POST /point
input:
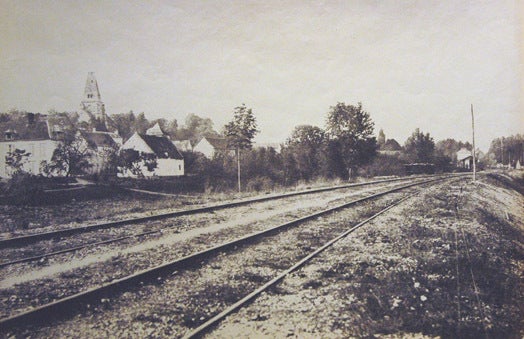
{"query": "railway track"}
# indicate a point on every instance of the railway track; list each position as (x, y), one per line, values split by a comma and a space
(65, 306)
(27, 239)
(34, 255)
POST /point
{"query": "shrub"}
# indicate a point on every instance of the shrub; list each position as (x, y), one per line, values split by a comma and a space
(23, 188)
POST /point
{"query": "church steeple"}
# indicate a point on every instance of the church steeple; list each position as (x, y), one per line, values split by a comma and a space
(91, 92)
(92, 102)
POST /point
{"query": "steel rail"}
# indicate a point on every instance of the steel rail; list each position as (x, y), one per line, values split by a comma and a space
(31, 238)
(209, 324)
(63, 307)
(78, 247)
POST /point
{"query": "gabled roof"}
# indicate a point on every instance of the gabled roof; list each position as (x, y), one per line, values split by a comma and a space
(217, 143)
(98, 139)
(162, 147)
(155, 130)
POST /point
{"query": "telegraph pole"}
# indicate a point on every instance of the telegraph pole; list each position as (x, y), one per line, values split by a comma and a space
(238, 169)
(474, 157)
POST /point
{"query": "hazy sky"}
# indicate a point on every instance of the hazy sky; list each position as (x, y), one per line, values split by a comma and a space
(411, 63)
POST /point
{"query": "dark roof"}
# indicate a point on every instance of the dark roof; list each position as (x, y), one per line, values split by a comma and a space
(162, 146)
(28, 126)
(98, 139)
(217, 143)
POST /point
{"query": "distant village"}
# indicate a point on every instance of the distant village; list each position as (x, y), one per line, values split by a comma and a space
(90, 142)
(96, 135)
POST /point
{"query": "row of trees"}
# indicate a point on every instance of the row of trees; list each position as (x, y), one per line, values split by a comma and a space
(345, 147)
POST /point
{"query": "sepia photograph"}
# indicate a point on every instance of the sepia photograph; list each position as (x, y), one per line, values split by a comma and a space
(262, 169)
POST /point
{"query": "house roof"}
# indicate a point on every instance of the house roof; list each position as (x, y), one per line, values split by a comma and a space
(155, 130)
(162, 147)
(28, 126)
(217, 143)
(463, 154)
(98, 139)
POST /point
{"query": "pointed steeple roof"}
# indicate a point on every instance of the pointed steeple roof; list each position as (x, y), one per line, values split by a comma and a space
(91, 92)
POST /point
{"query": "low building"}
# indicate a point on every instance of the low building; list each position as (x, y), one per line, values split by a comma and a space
(210, 146)
(169, 160)
(32, 134)
(464, 158)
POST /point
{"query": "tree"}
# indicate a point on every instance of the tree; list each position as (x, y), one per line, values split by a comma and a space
(70, 157)
(16, 159)
(195, 128)
(306, 144)
(241, 131)
(350, 129)
(419, 147)
(135, 161)
(381, 138)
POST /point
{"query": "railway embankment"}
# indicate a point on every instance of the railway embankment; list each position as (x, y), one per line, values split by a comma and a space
(448, 264)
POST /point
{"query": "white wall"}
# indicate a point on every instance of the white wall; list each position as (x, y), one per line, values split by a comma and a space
(41, 150)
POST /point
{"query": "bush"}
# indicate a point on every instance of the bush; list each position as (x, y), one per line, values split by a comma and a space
(23, 188)
(260, 184)
(384, 165)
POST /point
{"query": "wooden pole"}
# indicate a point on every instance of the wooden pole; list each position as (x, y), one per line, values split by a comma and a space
(474, 157)
(238, 169)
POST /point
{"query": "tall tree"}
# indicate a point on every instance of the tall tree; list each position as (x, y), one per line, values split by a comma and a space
(420, 147)
(350, 129)
(241, 131)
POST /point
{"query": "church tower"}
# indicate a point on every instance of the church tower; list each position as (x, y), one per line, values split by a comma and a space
(92, 103)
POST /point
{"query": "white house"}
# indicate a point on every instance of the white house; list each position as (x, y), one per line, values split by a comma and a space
(39, 150)
(169, 160)
(209, 146)
(464, 158)
(33, 135)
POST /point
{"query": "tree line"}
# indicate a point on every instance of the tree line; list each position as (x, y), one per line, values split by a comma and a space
(344, 148)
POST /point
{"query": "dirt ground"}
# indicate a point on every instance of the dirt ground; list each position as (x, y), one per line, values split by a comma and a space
(448, 263)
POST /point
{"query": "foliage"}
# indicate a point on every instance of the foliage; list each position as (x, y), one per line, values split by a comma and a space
(195, 128)
(134, 162)
(16, 159)
(242, 129)
(419, 147)
(351, 129)
(23, 188)
(383, 165)
(71, 157)
(508, 150)
(306, 145)
(381, 138)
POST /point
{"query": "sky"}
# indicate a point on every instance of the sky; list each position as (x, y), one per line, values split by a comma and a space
(412, 64)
